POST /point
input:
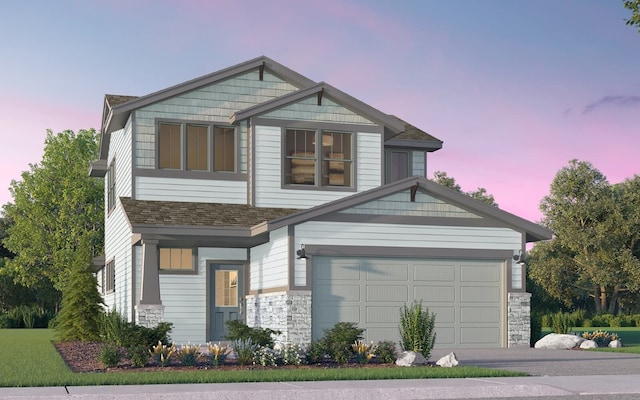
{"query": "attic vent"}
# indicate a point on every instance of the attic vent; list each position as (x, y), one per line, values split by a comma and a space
(414, 190)
(320, 93)
(262, 71)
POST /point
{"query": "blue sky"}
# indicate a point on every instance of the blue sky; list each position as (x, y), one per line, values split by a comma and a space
(515, 89)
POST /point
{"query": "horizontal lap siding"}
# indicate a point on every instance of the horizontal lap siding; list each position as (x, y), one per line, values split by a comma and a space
(191, 190)
(268, 173)
(117, 232)
(393, 235)
(214, 103)
(269, 262)
(309, 110)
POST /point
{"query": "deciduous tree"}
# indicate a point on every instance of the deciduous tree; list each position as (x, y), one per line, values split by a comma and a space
(634, 7)
(441, 177)
(55, 204)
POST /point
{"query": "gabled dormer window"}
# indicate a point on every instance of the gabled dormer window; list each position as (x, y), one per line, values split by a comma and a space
(196, 147)
(318, 158)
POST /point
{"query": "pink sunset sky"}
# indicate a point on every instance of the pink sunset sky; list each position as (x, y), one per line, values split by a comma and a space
(515, 89)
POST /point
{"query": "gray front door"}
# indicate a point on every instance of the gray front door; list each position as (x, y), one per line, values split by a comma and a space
(227, 299)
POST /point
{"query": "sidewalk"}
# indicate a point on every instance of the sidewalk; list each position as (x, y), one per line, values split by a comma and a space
(351, 390)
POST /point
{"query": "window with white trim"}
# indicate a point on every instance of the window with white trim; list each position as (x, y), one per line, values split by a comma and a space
(111, 186)
(318, 158)
(109, 277)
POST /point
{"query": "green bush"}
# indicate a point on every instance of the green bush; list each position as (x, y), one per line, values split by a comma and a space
(386, 352)
(417, 329)
(338, 339)
(109, 355)
(262, 337)
(115, 329)
(189, 354)
(139, 355)
(536, 328)
(316, 352)
(561, 323)
(577, 317)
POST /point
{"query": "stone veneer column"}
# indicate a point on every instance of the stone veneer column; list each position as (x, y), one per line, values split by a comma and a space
(149, 310)
(519, 319)
(289, 312)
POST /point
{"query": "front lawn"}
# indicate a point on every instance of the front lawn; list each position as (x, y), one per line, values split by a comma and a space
(30, 359)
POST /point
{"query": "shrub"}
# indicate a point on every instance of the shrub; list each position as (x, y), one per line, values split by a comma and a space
(316, 352)
(217, 353)
(602, 338)
(114, 328)
(577, 317)
(536, 329)
(293, 354)
(109, 355)
(162, 353)
(245, 350)
(189, 354)
(364, 352)
(139, 355)
(386, 352)
(238, 330)
(267, 357)
(417, 329)
(560, 323)
(337, 341)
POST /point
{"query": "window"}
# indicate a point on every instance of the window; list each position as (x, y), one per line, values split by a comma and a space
(226, 288)
(225, 147)
(318, 158)
(111, 186)
(197, 147)
(109, 277)
(397, 165)
(185, 146)
(176, 259)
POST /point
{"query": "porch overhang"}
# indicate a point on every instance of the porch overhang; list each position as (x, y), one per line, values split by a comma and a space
(198, 236)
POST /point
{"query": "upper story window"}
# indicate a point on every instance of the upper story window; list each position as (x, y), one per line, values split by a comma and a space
(318, 158)
(176, 259)
(111, 186)
(398, 165)
(196, 147)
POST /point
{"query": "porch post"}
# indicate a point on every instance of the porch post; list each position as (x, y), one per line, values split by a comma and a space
(149, 310)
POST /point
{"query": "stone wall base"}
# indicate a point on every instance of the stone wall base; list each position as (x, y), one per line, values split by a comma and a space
(149, 315)
(289, 312)
(519, 319)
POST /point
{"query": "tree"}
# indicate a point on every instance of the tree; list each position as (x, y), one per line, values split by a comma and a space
(55, 204)
(634, 7)
(441, 178)
(79, 317)
(596, 234)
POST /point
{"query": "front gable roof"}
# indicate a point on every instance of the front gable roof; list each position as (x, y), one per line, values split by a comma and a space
(117, 114)
(475, 208)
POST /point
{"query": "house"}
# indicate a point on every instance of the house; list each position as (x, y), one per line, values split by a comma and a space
(255, 193)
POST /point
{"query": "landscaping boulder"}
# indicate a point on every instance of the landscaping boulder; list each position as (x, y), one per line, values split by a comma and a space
(410, 358)
(588, 344)
(448, 361)
(615, 343)
(557, 341)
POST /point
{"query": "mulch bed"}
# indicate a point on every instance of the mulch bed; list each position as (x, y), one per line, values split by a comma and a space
(83, 357)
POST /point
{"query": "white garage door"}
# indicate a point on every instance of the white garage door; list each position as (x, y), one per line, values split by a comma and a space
(465, 295)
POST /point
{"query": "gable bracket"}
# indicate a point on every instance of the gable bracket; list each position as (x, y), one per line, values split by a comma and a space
(414, 190)
(262, 71)
(320, 94)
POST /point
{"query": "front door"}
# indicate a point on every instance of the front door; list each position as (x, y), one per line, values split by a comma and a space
(227, 298)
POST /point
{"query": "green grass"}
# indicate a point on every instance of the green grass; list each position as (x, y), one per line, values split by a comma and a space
(28, 358)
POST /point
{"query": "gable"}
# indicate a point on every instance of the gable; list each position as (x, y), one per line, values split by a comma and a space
(400, 204)
(309, 110)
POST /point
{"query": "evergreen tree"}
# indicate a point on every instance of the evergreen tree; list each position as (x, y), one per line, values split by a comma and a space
(81, 303)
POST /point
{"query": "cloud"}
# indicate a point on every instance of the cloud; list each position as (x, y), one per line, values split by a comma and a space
(613, 101)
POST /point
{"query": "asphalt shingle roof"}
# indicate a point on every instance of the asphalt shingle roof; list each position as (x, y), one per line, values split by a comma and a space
(172, 213)
(116, 99)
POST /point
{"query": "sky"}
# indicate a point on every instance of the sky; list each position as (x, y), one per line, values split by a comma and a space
(514, 89)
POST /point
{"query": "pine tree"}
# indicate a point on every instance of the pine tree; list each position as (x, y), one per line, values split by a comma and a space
(81, 303)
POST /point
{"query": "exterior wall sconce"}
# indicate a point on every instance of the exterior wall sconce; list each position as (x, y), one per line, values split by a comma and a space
(519, 258)
(301, 253)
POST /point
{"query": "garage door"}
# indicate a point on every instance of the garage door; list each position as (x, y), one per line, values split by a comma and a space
(465, 295)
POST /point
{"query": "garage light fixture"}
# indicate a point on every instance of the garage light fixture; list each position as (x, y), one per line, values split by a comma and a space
(301, 253)
(519, 258)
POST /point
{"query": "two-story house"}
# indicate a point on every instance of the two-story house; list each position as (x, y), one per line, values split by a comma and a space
(255, 193)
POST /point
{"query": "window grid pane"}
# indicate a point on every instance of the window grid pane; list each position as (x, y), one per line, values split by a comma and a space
(300, 162)
(226, 288)
(169, 146)
(336, 159)
(225, 149)
(197, 147)
(176, 259)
